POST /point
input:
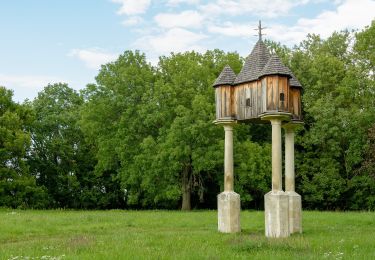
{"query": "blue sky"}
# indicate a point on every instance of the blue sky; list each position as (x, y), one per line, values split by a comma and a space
(48, 41)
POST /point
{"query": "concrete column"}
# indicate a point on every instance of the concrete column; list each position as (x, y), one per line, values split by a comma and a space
(295, 200)
(228, 158)
(289, 159)
(228, 202)
(276, 155)
(276, 203)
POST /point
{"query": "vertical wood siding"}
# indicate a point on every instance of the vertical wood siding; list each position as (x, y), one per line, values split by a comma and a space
(249, 100)
(223, 96)
(295, 103)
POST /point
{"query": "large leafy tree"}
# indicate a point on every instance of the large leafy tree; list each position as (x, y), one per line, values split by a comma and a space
(153, 126)
(60, 159)
(338, 104)
(191, 152)
(17, 186)
(117, 117)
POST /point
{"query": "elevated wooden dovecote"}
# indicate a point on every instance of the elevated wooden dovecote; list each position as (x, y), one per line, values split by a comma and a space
(264, 86)
(265, 90)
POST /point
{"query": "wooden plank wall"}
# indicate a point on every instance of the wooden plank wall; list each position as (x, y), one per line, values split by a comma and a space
(259, 100)
(271, 94)
(252, 92)
(295, 103)
(276, 85)
(263, 96)
(283, 88)
(223, 98)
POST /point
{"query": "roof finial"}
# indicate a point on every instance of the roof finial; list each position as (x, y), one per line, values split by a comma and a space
(259, 29)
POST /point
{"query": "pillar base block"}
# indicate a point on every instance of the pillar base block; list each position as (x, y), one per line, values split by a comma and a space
(295, 212)
(276, 209)
(228, 208)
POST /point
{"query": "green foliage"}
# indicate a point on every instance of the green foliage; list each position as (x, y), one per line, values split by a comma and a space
(143, 137)
(152, 126)
(116, 118)
(253, 171)
(60, 159)
(361, 186)
(338, 105)
(17, 186)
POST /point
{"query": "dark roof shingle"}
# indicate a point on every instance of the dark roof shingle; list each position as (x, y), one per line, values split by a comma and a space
(293, 81)
(226, 77)
(274, 66)
(254, 63)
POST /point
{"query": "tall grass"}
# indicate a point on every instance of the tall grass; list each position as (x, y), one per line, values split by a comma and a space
(116, 234)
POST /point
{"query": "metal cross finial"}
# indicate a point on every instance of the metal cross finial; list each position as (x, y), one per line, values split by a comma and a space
(259, 29)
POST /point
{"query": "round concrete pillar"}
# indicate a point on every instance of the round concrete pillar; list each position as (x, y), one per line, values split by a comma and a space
(228, 158)
(228, 202)
(276, 155)
(289, 159)
(295, 200)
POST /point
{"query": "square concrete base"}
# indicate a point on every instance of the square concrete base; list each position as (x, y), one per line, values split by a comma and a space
(276, 211)
(228, 209)
(295, 212)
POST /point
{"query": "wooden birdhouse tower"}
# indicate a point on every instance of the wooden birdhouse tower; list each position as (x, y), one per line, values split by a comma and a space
(264, 86)
(264, 91)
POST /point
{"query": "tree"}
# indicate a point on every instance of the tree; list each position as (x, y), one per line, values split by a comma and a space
(252, 172)
(116, 117)
(187, 136)
(17, 186)
(361, 186)
(150, 124)
(338, 112)
(60, 159)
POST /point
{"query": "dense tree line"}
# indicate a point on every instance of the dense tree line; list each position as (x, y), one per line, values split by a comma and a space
(142, 136)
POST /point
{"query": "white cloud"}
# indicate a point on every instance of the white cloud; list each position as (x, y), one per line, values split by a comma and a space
(265, 8)
(132, 7)
(93, 57)
(133, 20)
(232, 30)
(26, 86)
(350, 14)
(173, 40)
(189, 19)
(177, 2)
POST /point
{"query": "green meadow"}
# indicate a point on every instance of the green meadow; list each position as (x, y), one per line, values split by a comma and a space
(121, 234)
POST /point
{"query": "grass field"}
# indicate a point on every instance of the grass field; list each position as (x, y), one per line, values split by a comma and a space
(119, 234)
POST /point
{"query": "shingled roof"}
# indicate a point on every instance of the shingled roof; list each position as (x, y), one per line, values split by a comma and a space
(259, 63)
(226, 77)
(254, 63)
(274, 66)
(293, 81)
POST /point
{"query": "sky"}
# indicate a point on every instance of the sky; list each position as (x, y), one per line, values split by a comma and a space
(51, 41)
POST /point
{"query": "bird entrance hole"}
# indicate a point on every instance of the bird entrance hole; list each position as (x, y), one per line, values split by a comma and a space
(282, 98)
(248, 102)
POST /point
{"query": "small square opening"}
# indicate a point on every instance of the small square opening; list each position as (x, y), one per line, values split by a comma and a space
(248, 102)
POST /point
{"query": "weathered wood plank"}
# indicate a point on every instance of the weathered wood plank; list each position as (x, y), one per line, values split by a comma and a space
(264, 96)
(270, 95)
